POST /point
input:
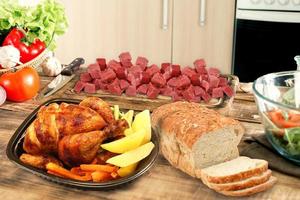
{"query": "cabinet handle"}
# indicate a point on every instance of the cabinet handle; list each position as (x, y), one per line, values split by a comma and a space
(202, 12)
(165, 14)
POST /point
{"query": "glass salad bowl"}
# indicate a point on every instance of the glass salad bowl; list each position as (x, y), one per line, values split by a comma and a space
(278, 99)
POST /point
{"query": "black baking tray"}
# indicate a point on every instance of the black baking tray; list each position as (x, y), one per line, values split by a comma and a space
(15, 148)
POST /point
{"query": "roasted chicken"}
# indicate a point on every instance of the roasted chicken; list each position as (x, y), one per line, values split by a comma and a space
(71, 132)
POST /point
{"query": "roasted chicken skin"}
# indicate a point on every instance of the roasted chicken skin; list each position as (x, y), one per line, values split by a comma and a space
(39, 161)
(55, 121)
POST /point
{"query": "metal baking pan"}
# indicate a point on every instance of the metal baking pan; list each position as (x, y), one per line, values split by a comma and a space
(15, 148)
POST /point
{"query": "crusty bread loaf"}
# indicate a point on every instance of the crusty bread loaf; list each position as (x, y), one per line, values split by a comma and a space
(234, 170)
(251, 190)
(193, 137)
(242, 184)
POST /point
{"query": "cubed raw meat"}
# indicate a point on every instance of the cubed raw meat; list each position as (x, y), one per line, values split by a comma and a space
(183, 82)
(198, 90)
(199, 63)
(95, 73)
(228, 91)
(131, 91)
(167, 75)
(204, 77)
(189, 72)
(142, 89)
(205, 85)
(142, 61)
(213, 71)
(165, 67)
(133, 80)
(213, 81)
(90, 88)
(114, 88)
(166, 91)
(93, 66)
(206, 97)
(217, 93)
(188, 94)
(102, 63)
(79, 86)
(173, 82)
(136, 71)
(158, 80)
(125, 56)
(176, 96)
(196, 80)
(126, 64)
(124, 84)
(196, 99)
(108, 76)
(201, 70)
(121, 73)
(103, 86)
(113, 64)
(145, 78)
(175, 70)
(153, 69)
(143, 68)
(152, 92)
(97, 83)
(85, 77)
(223, 81)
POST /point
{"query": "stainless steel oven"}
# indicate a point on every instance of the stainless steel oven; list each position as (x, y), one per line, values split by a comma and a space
(267, 37)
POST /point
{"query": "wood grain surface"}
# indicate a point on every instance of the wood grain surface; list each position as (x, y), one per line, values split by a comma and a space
(162, 181)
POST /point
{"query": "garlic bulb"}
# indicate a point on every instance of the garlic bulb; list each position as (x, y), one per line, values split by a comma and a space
(51, 66)
(9, 56)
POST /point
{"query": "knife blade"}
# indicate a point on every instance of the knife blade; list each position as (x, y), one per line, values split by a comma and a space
(63, 78)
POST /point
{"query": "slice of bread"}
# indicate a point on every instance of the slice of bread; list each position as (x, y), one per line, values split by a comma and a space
(239, 185)
(234, 170)
(252, 190)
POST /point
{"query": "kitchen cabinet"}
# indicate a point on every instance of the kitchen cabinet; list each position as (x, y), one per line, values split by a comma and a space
(105, 28)
(211, 40)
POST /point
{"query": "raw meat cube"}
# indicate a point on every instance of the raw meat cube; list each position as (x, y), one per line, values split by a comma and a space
(113, 64)
(133, 80)
(131, 91)
(206, 97)
(175, 70)
(108, 76)
(143, 68)
(176, 96)
(142, 61)
(196, 99)
(223, 81)
(204, 77)
(188, 94)
(90, 88)
(228, 91)
(94, 66)
(124, 84)
(145, 78)
(158, 80)
(152, 92)
(153, 69)
(79, 86)
(205, 85)
(189, 72)
(213, 81)
(85, 77)
(165, 67)
(125, 56)
(136, 71)
(167, 91)
(114, 87)
(173, 82)
(121, 73)
(142, 89)
(95, 73)
(167, 75)
(196, 80)
(97, 83)
(198, 90)
(199, 63)
(201, 70)
(183, 82)
(217, 93)
(126, 64)
(102, 63)
(213, 71)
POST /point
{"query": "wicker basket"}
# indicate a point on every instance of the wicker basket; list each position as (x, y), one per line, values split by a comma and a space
(35, 63)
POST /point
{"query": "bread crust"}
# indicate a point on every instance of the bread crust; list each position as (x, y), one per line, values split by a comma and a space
(252, 190)
(239, 185)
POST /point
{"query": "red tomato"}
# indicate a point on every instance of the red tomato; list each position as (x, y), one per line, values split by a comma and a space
(21, 85)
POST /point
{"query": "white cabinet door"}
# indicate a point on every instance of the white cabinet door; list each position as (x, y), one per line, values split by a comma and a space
(212, 41)
(105, 28)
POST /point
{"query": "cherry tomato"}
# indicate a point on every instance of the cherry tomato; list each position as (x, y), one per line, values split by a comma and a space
(21, 85)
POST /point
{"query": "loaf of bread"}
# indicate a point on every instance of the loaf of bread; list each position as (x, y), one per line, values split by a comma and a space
(193, 137)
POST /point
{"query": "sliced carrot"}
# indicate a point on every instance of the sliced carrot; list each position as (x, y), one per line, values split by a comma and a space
(66, 173)
(78, 171)
(104, 168)
(54, 173)
(100, 176)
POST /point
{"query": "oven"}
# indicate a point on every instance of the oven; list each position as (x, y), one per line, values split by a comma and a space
(267, 37)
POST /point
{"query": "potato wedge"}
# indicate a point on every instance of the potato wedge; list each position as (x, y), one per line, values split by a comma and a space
(128, 131)
(125, 171)
(128, 117)
(127, 143)
(143, 121)
(132, 156)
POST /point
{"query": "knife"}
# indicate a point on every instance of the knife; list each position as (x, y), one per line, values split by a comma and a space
(63, 78)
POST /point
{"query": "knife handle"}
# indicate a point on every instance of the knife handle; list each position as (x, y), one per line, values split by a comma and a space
(72, 67)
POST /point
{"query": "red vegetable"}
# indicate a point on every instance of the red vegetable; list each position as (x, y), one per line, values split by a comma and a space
(27, 52)
(21, 85)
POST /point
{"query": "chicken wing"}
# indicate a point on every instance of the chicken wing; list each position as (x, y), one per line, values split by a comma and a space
(38, 161)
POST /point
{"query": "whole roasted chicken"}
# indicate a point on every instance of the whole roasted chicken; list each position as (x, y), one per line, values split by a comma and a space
(72, 133)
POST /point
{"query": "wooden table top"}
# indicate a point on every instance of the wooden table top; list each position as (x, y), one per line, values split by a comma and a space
(162, 181)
